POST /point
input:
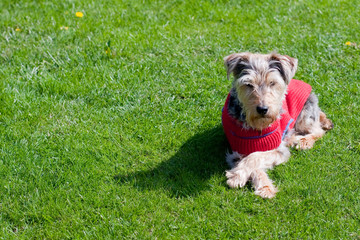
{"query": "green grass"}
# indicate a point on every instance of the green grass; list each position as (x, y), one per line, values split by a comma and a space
(112, 129)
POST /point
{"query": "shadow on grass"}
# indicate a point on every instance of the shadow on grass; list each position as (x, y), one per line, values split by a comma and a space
(188, 171)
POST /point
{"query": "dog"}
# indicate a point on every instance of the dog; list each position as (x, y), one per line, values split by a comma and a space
(266, 112)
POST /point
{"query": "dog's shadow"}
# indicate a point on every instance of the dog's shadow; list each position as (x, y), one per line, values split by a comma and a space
(189, 170)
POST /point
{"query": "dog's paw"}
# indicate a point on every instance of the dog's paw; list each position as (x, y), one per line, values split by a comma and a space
(305, 143)
(326, 123)
(266, 192)
(237, 178)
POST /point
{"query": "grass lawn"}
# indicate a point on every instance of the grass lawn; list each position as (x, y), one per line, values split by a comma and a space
(110, 123)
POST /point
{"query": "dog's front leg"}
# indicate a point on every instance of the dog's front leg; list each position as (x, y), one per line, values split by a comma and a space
(262, 184)
(240, 174)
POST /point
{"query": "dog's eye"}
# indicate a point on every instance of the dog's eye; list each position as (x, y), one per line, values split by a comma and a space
(272, 84)
(249, 85)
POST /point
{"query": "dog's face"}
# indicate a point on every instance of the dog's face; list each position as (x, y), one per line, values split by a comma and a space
(260, 81)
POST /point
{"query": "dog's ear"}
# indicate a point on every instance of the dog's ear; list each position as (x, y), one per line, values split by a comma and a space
(285, 65)
(236, 63)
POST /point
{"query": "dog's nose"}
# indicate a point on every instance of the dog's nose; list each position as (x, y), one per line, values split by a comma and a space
(262, 110)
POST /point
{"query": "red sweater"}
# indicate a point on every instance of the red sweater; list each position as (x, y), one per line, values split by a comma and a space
(246, 141)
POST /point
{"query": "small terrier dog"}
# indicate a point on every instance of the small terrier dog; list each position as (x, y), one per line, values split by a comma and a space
(266, 112)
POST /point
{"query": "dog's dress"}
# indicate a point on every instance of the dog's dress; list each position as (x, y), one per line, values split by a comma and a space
(246, 141)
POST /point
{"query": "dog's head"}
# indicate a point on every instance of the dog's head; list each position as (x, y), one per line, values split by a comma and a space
(260, 81)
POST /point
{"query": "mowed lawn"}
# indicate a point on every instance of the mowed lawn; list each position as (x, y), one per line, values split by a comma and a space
(110, 119)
